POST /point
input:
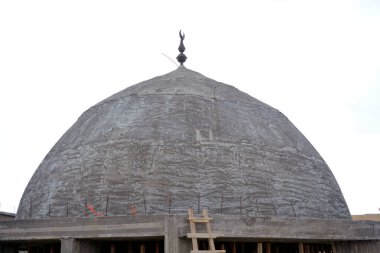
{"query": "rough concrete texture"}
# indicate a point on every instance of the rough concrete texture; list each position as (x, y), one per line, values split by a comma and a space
(174, 228)
(182, 140)
(84, 234)
(131, 227)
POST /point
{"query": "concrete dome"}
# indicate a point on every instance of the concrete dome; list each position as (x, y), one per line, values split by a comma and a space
(182, 140)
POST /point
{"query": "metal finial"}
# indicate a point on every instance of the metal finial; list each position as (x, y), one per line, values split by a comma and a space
(181, 58)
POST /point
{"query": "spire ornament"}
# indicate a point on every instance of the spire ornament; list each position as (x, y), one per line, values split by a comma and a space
(181, 58)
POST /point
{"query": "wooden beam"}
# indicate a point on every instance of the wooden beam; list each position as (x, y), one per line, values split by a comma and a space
(142, 248)
(200, 220)
(301, 248)
(311, 248)
(259, 247)
(157, 247)
(130, 249)
(267, 247)
(113, 248)
(192, 229)
(211, 243)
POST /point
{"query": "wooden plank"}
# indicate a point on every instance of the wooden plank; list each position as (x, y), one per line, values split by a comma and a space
(300, 248)
(192, 229)
(200, 220)
(208, 228)
(267, 247)
(259, 247)
(203, 235)
(142, 248)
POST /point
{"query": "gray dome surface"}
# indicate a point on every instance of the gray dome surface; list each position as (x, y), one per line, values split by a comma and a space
(177, 141)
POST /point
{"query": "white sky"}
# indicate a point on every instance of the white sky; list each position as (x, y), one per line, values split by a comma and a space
(318, 62)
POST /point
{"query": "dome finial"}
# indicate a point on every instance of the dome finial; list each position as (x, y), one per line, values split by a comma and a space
(181, 58)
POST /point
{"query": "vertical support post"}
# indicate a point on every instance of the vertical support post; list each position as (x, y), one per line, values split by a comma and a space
(142, 248)
(69, 245)
(192, 229)
(171, 234)
(267, 247)
(301, 248)
(211, 243)
(157, 248)
(234, 247)
(113, 248)
(307, 248)
(130, 249)
(259, 247)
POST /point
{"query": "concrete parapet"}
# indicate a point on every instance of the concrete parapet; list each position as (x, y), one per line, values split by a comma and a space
(80, 234)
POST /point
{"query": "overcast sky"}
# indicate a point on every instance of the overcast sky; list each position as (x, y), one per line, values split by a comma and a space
(318, 62)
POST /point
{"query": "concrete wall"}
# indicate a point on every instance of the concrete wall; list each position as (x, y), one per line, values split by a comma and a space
(82, 234)
(154, 226)
(138, 226)
(290, 229)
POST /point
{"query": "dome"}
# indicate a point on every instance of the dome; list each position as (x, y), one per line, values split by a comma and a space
(177, 141)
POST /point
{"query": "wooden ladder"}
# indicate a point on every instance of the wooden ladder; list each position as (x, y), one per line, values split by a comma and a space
(195, 236)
